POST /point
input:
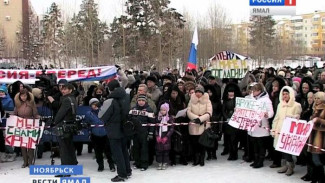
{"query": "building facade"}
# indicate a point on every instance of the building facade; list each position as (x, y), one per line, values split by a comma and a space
(19, 24)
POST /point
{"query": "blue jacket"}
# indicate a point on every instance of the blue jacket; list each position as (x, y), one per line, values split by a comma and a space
(7, 103)
(91, 117)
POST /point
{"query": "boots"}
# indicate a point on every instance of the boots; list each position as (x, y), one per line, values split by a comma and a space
(159, 166)
(209, 155)
(214, 154)
(202, 159)
(164, 166)
(318, 176)
(196, 160)
(308, 176)
(291, 166)
(284, 166)
(3, 157)
(260, 162)
(256, 157)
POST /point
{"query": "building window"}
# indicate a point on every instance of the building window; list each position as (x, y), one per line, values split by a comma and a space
(323, 19)
(305, 35)
(323, 42)
(8, 18)
(316, 19)
(6, 2)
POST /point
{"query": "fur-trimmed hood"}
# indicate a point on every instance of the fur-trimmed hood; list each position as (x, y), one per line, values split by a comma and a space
(18, 103)
(291, 93)
(203, 100)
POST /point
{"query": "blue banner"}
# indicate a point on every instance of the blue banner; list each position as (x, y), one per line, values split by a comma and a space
(266, 2)
(55, 170)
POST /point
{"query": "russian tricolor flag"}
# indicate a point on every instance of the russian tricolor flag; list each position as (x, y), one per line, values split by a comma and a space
(191, 64)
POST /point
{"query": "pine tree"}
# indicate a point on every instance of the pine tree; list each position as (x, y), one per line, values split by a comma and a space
(53, 34)
(91, 30)
(149, 34)
(262, 34)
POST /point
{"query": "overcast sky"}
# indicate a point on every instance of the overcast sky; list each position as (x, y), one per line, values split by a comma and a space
(238, 10)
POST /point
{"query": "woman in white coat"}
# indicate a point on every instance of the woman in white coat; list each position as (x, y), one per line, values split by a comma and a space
(261, 132)
(199, 111)
(286, 108)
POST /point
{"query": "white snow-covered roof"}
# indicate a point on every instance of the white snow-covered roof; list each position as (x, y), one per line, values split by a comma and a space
(296, 18)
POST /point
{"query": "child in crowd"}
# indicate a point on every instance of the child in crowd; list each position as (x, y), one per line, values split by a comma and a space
(163, 136)
(99, 136)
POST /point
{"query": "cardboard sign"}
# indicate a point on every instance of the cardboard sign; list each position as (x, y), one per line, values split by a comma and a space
(248, 114)
(83, 74)
(228, 65)
(293, 136)
(22, 132)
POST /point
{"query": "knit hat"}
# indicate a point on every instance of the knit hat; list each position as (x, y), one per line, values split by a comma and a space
(37, 93)
(142, 97)
(298, 79)
(3, 88)
(281, 73)
(92, 101)
(165, 106)
(199, 88)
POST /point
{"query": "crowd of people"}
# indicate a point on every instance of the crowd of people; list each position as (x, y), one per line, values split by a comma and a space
(135, 117)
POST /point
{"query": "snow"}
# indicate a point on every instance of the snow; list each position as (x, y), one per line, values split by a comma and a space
(221, 171)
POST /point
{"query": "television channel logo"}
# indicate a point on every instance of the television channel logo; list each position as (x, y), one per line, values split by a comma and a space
(272, 7)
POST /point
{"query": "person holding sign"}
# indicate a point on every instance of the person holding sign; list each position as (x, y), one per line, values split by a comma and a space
(26, 108)
(317, 137)
(261, 133)
(286, 108)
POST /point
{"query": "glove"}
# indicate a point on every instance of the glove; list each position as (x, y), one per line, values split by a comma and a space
(197, 121)
(150, 136)
(164, 140)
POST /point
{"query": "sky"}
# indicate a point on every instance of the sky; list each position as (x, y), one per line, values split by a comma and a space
(238, 10)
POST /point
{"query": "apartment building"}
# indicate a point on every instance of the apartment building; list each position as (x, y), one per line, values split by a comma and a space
(17, 21)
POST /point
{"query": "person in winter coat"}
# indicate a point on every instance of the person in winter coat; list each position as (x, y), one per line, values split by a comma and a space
(261, 132)
(231, 134)
(286, 108)
(153, 91)
(142, 114)
(216, 117)
(7, 103)
(317, 138)
(99, 136)
(163, 136)
(199, 111)
(26, 108)
(113, 113)
(274, 91)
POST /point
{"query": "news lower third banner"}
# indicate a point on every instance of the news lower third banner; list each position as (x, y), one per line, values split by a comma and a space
(40, 171)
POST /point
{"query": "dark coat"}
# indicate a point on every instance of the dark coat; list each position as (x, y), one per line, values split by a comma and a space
(302, 98)
(142, 115)
(91, 117)
(113, 116)
(65, 112)
(168, 134)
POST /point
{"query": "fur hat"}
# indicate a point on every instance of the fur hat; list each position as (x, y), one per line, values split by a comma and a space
(37, 93)
(113, 84)
(281, 73)
(199, 88)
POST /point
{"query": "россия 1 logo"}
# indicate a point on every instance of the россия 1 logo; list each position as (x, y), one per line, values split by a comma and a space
(272, 7)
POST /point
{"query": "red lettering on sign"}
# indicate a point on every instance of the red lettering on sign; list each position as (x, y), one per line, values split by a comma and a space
(38, 73)
(12, 74)
(91, 73)
(71, 73)
(2, 74)
(20, 122)
(61, 74)
(81, 73)
(99, 72)
(23, 75)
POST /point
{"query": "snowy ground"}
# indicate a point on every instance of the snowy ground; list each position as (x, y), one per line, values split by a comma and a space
(216, 171)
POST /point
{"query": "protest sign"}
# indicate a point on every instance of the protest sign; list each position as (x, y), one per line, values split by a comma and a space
(293, 136)
(79, 74)
(248, 113)
(22, 132)
(228, 65)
